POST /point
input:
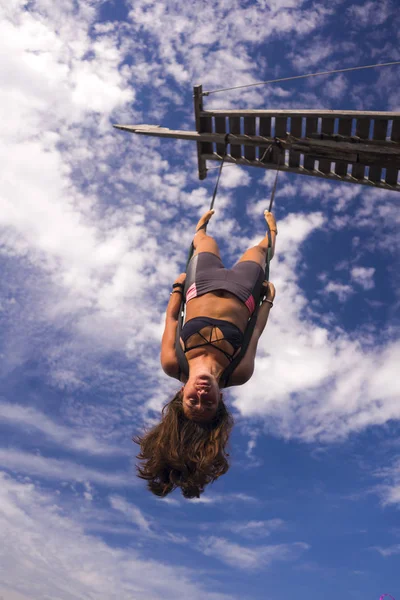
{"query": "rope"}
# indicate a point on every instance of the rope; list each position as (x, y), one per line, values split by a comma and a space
(275, 182)
(191, 249)
(238, 87)
(219, 172)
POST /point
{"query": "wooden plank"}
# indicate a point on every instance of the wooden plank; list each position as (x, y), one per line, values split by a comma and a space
(345, 124)
(395, 137)
(202, 148)
(249, 128)
(220, 127)
(379, 133)
(392, 174)
(265, 131)
(387, 153)
(362, 131)
(303, 113)
(327, 126)
(281, 127)
(299, 171)
(295, 129)
(311, 127)
(380, 129)
(375, 173)
(234, 127)
(278, 155)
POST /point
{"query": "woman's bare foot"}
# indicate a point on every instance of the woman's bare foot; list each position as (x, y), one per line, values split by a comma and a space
(269, 217)
(203, 222)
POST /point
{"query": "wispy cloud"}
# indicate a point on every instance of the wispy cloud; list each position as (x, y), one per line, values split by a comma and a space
(246, 558)
(61, 470)
(133, 513)
(254, 529)
(60, 558)
(28, 418)
(364, 276)
(388, 551)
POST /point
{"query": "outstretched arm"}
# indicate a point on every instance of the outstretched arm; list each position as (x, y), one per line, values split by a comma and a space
(245, 369)
(169, 360)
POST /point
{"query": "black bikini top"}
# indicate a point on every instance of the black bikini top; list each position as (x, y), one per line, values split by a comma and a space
(231, 334)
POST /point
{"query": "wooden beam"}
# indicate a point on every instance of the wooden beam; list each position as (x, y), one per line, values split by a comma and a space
(297, 112)
(202, 124)
(389, 153)
(301, 171)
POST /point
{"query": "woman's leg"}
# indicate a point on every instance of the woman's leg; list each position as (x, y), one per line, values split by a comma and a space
(203, 242)
(259, 253)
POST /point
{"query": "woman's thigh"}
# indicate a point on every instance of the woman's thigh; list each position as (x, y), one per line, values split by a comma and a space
(207, 244)
(257, 254)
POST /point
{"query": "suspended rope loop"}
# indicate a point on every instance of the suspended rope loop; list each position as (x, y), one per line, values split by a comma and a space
(226, 142)
(271, 202)
(219, 172)
(239, 87)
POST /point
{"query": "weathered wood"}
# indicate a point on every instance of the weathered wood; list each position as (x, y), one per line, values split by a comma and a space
(265, 126)
(379, 133)
(295, 130)
(249, 129)
(201, 147)
(362, 131)
(278, 154)
(315, 173)
(390, 153)
(265, 131)
(380, 129)
(220, 127)
(327, 126)
(303, 113)
(392, 176)
(395, 137)
(311, 127)
(335, 144)
(234, 127)
(344, 130)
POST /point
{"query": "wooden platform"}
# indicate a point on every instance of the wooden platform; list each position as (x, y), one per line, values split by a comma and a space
(351, 146)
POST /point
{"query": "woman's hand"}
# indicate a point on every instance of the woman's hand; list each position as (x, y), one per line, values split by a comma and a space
(181, 278)
(268, 291)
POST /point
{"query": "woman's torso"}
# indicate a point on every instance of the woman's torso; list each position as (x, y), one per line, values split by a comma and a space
(218, 304)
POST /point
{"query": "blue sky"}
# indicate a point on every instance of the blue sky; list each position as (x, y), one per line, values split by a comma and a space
(95, 225)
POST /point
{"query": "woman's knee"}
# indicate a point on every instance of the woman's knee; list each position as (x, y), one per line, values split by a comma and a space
(205, 243)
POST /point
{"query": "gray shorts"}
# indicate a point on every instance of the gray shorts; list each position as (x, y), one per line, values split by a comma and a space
(206, 273)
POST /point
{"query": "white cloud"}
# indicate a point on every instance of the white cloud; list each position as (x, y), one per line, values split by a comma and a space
(342, 291)
(133, 513)
(254, 529)
(27, 418)
(60, 559)
(250, 559)
(309, 381)
(363, 15)
(61, 470)
(364, 276)
(389, 551)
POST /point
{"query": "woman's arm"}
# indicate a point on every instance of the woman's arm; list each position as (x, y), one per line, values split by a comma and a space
(169, 361)
(245, 368)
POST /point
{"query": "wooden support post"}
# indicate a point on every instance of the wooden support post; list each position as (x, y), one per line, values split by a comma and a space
(345, 125)
(201, 127)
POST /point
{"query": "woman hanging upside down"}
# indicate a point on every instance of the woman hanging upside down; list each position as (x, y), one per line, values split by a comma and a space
(187, 449)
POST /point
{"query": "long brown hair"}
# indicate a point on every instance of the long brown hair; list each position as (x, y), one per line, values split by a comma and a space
(179, 452)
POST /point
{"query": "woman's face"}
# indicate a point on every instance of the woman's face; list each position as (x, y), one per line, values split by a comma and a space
(201, 397)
